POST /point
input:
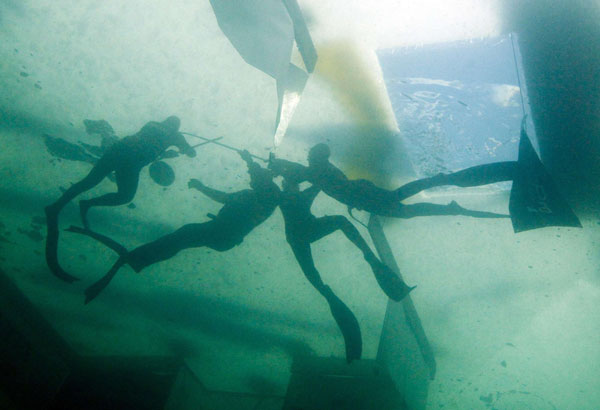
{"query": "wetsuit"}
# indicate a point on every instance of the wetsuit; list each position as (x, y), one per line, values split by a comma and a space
(242, 211)
(302, 228)
(126, 158)
(365, 195)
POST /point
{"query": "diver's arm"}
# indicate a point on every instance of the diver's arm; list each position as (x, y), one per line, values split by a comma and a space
(184, 148)
(213, 194)
(248, 159)
(253, 167)
(309, 194)
(288, 169)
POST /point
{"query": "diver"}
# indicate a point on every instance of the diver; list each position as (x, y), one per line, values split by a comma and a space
(535, 201)
(126, 158)
(242, 211)
(303, 228)
(363, 194)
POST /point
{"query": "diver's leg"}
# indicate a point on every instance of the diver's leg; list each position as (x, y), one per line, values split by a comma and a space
(167, 246)
(163, 248)
(127, 183)
(473, 176)
(343, 316)
(94, 177)
(328, 224)
(390, 283)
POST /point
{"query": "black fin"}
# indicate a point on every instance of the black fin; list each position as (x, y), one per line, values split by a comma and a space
(52, 247)
(391, 284)
(347, 323)
(97, 287)
(535, 202)
(459, 210)
(111, 243)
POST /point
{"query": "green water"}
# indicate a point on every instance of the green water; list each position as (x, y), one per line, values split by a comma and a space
(513, 320)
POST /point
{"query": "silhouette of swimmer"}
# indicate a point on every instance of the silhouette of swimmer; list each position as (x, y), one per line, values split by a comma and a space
(242, 211)
(303, 228)
(126, 158)
(365, 195)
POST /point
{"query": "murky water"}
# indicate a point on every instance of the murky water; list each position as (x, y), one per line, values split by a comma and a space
(511, 320)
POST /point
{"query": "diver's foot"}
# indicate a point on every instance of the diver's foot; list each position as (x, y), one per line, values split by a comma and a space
(455, 208)
(438, 179)
(394, 287)
(52, 245)
(83, 210)
(347, 323)
(93, 291)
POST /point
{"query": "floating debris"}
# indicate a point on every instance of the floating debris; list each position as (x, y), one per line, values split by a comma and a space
(503, 363)
(486, 399)
(131, 206)
(34, 235)
(24, 74)
(60, 148)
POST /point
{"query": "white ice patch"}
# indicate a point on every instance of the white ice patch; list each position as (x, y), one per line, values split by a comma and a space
(432, 81)
(505, 95)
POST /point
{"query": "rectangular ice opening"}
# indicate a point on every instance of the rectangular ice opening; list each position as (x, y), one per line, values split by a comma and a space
(457, 104)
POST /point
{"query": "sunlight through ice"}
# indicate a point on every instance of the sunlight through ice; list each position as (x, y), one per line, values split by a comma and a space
(393, 23)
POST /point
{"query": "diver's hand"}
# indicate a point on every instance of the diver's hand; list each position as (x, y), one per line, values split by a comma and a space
(275, 165)
(190, 152)
(245, 155)
(195, 183)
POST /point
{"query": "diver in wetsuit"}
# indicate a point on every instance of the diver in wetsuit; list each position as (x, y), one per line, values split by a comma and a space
(126, 158)
(363, 194)
(535, 201)
(302, 228)
(242, 211)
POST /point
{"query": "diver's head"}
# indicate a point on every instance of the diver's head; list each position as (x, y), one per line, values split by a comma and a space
(261, 178)
(319, 154)
(172, 123)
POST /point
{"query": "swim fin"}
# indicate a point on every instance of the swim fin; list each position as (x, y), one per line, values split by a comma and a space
(347, 323)
(97, 287)
(111, 243)
(459, 210)
(52, 246)
(391, 284)
(535, 202)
